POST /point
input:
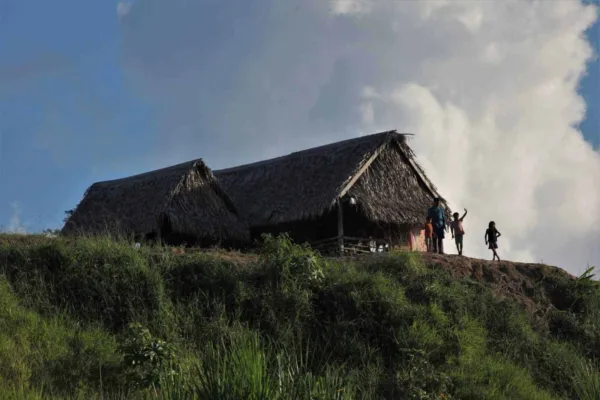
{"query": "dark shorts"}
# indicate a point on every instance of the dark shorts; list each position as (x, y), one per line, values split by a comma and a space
(458, 239)
(439, 232)
(493, 245)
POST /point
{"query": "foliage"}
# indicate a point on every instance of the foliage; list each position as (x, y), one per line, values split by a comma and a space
(286, 262)
(146, 358)
(420, 380)
(95, 318)
(54, 352)
(587, 381)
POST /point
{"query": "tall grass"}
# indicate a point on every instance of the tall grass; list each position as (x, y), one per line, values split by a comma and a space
(587, 381)
(99, 319)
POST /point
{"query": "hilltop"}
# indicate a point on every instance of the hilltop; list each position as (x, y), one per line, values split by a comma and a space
(93, 318)
(531, 285)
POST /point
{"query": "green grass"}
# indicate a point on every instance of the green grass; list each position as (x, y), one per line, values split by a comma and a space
(98, 319)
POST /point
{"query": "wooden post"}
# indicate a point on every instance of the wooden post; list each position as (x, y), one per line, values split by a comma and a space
(340, 221)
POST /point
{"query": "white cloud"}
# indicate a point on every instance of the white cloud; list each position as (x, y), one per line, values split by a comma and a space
(14, 222)
(123, 8)
(342, 7)
(489, 88)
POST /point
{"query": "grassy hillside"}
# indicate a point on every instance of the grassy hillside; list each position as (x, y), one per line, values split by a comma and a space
(98, 319)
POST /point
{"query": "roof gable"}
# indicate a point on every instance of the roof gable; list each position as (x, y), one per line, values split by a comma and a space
(392, 189)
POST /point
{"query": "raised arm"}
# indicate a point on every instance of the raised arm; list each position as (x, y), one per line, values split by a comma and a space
(464, 215)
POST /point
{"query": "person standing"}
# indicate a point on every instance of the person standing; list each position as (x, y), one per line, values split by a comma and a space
(456, 227)
(428, 234)
(491, 238)
(438, 218)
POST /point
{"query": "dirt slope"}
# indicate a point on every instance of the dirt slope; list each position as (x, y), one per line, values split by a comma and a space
(532, 285)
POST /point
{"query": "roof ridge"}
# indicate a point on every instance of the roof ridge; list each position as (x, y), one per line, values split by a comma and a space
(309, 151)
(154, 171)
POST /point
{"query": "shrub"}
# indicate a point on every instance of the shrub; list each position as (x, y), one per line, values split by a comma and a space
(147, 360)
(93, 281)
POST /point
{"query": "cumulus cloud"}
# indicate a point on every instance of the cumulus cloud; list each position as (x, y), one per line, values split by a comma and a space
(14, 222)
(489, 88)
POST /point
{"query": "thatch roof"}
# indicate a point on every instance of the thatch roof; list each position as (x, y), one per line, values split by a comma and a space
(380, 170)
(188, 194)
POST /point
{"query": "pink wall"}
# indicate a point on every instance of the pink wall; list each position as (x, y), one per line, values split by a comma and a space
(417, 239)
(412, 240)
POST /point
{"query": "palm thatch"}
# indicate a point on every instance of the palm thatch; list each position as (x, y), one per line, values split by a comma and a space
(379, 170)
(187, 194)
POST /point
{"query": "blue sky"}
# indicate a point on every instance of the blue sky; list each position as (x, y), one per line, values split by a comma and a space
(66, 111)
(79, 103)
(590, 89)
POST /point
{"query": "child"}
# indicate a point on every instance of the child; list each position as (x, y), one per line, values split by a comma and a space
(428, 235)
(456, 227)
(491, 237)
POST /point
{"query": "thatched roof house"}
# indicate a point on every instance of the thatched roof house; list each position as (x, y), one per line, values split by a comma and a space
(377, 172)
(373, 181)
(184, 200)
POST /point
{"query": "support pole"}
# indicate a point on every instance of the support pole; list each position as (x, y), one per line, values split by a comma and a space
(340, 220)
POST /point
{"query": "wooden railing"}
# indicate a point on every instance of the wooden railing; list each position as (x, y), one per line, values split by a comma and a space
(350, 245)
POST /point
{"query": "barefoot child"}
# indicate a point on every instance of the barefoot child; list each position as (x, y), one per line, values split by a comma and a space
(428, 235)
(491, 238)
(456, 227)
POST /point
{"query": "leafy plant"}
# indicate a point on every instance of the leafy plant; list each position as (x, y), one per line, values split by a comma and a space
(289, 262)
(420, 380)
(147, 359)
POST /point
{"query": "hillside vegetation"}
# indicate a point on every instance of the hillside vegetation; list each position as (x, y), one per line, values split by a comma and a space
(97, 319)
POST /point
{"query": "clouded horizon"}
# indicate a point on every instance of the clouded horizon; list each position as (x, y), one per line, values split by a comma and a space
(490, 89)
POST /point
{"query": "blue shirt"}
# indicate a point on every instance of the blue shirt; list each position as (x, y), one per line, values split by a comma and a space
(437, 216)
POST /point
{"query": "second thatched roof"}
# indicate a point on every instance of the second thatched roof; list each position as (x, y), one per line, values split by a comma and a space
(187, 194)
(380, 170)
